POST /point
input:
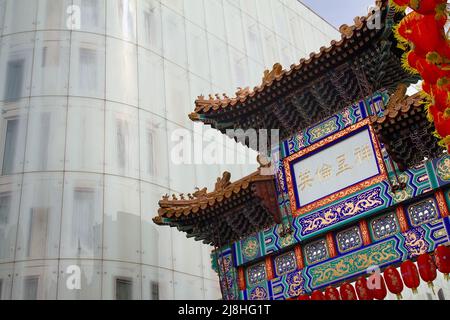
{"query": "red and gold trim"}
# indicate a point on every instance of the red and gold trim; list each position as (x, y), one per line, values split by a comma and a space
(299, 257)
(365, 234)
(401, 217)
(331, 246)
(269, 269)
(241, 279)
(443, 208)
(345, 192)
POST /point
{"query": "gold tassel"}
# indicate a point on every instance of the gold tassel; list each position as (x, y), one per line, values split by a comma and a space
(431, 286)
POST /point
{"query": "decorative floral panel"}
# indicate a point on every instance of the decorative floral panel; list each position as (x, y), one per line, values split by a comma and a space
(384, 226)
(285, 263)
(316, 251)
(423, 212)
(349, 239)
(256, 273)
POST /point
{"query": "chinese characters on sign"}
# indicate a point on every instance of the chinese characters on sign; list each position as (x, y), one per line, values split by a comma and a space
(330, 170)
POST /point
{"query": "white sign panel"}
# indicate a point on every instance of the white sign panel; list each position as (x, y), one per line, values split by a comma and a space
(337, 167)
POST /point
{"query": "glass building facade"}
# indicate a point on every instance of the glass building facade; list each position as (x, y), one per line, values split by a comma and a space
(87, 116)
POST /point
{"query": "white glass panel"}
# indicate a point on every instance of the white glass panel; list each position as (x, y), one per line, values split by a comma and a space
(157, 284)
(215, 18)
(286, 53)
(178, 104)
(174, 33)
(220, 64)
(265, 13)
(253, 39)
(16, 59)
(85, 135)
(121, 72)
(82, 217)
(208, 272)
(235, 31)
(20, 16)
(122, 219)
(250, 7)
(90, 281)
(13, 128)
(197, 50)
(153, 150)
(195, 12)
(87, 65)
(187, 254)
(6, 276)
(52, 14)
(40, 216)
(46, 134)
(187, 287)
(2, 15)
(51, 63)
(121, 19)
(239, 68)
(151, 82)
(122, 140)
(121, 281)
(150, 25)
(255, 72)
(9, 211)
(35, 280)
(280, 20)
(212, 289)
(269, 47)
(156, 240)
(182, 173)
(92, 15)
(176, 5)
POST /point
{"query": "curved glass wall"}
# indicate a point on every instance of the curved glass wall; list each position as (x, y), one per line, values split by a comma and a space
(87, 114)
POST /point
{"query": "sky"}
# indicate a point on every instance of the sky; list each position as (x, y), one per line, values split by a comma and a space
(338, 12)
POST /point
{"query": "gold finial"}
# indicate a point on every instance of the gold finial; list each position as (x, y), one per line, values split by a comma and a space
(223, 182)
(269, 76)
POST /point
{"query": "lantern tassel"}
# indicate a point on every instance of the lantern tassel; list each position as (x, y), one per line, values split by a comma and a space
(399, 296)
(414, 290)
(431, 286)
(446, 277)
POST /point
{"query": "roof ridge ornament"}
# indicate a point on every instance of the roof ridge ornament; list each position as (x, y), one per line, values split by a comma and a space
(398, 97)
(223, 182)
(270, 76)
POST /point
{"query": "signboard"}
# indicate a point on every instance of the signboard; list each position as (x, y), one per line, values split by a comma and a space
(334, 168)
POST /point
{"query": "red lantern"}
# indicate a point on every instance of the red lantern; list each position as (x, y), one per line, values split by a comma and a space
(426, 87)
(331, 293)
(441, 98)
(442, 124)
(424, 32)
(442, 255)
(428, 7)
(304, 297)
(400, 5)
(378, 289)
(348, 292)
(317, 295)
(394, 281)
(362, 290)
(427, 269)
(410, 275)
(429, 72)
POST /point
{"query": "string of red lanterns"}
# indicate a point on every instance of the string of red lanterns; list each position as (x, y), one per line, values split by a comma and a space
(393, 280)
(422, 32)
